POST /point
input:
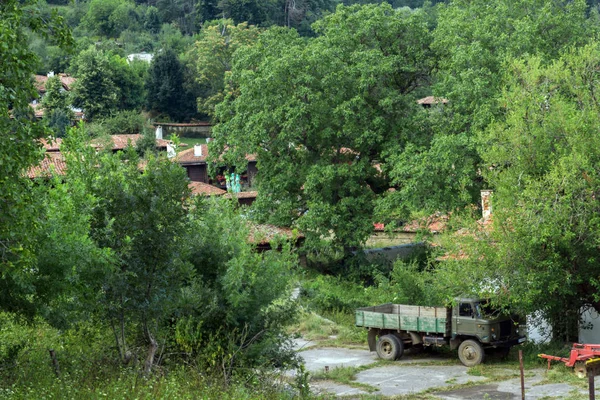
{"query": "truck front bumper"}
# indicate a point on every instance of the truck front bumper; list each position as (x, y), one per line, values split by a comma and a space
(509, 343)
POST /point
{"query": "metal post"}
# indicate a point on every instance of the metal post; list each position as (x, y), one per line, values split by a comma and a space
(591, 386)
(522, 375)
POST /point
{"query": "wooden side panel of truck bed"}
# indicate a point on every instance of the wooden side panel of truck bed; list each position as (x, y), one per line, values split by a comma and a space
(403, 317)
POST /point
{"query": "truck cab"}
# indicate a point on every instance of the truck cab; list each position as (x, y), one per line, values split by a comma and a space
(476, 318)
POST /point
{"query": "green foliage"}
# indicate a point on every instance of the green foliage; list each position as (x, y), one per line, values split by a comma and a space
(108, 17)
(123, 123)
(94, 91)
(541, 160)
(239, 298)
(106, 83)
(164, 84)
(85, 373)
(56, 97)
(437, 176)
(211, 58)
(58, 121)
(472, 55)
(318, 113)
(20, 150)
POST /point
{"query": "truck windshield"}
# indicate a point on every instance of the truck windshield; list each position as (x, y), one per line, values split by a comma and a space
(485, 310)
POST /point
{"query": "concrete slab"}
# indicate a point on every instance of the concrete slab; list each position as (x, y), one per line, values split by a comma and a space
(511, 389)
(318, 359)
(402, 380)
(337, 389)
(301, 344)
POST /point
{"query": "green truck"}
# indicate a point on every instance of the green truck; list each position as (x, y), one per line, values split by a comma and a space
(472, 326)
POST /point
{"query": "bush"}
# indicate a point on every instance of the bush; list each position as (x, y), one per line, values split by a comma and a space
(124, 123)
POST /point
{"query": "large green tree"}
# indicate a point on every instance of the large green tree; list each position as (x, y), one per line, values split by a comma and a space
(20, 147)
(160, 269)
(211, 58)
(318, 113)
(541, 253)
(106, 83)
(474, 39)
(165, 87)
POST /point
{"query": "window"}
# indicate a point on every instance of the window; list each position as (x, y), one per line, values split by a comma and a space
(465, 310)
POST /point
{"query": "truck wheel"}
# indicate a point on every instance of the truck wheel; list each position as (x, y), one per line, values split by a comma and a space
(470, 353)
(389, 347)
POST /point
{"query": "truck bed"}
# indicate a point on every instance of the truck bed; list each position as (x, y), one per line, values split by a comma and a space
(406, 318)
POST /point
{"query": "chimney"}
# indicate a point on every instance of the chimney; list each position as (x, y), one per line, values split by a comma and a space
(198, 150)
(171, 151)
(159, 135)
(486, 203)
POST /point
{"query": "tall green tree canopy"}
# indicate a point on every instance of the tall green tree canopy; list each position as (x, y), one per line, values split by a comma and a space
(165, 87)
(212, 56)
(474, 39)
(106, 83)
(20, 148)
(543, 162)
(319, 112)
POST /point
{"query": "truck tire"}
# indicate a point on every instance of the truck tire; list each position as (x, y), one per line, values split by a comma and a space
(389, 347)
(471, 353)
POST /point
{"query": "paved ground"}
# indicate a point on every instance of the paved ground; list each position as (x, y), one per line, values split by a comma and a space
(412, 375)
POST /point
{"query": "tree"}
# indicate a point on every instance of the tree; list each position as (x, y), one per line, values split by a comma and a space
(472, 54)
(110, 17)
(131, 212)
(542, 161)
(20, 149)
(212, 55)
(160, 269)
(94, 91)
(56, 97)
(164, 85)
(106, 83)
(318, 113)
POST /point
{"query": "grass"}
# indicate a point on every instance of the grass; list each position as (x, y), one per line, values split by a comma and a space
(191, 142)
(345, 376)
(334, 330)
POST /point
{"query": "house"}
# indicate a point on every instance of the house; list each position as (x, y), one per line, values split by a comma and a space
(205, 189)
(53, 164)
(143, 56)
(429, 101)
(121, 142)
(264, 236)
(194, 162)
(243, 198)
(66, 80)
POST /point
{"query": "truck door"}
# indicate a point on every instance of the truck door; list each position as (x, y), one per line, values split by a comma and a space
(466, 322)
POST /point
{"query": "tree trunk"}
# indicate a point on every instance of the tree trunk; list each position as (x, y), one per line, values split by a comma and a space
(152, 348)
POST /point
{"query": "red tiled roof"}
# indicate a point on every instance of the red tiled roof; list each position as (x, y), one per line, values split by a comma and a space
(120, 142)
(66, 80)
(435, 223)
(430, 100)
(242, 195)
(51, 145)
(204, 189)
(189, 124)
(263, 234)
(188, 157)
(52, 164)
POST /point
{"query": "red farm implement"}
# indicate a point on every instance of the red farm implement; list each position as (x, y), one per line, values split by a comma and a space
(580, 355)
